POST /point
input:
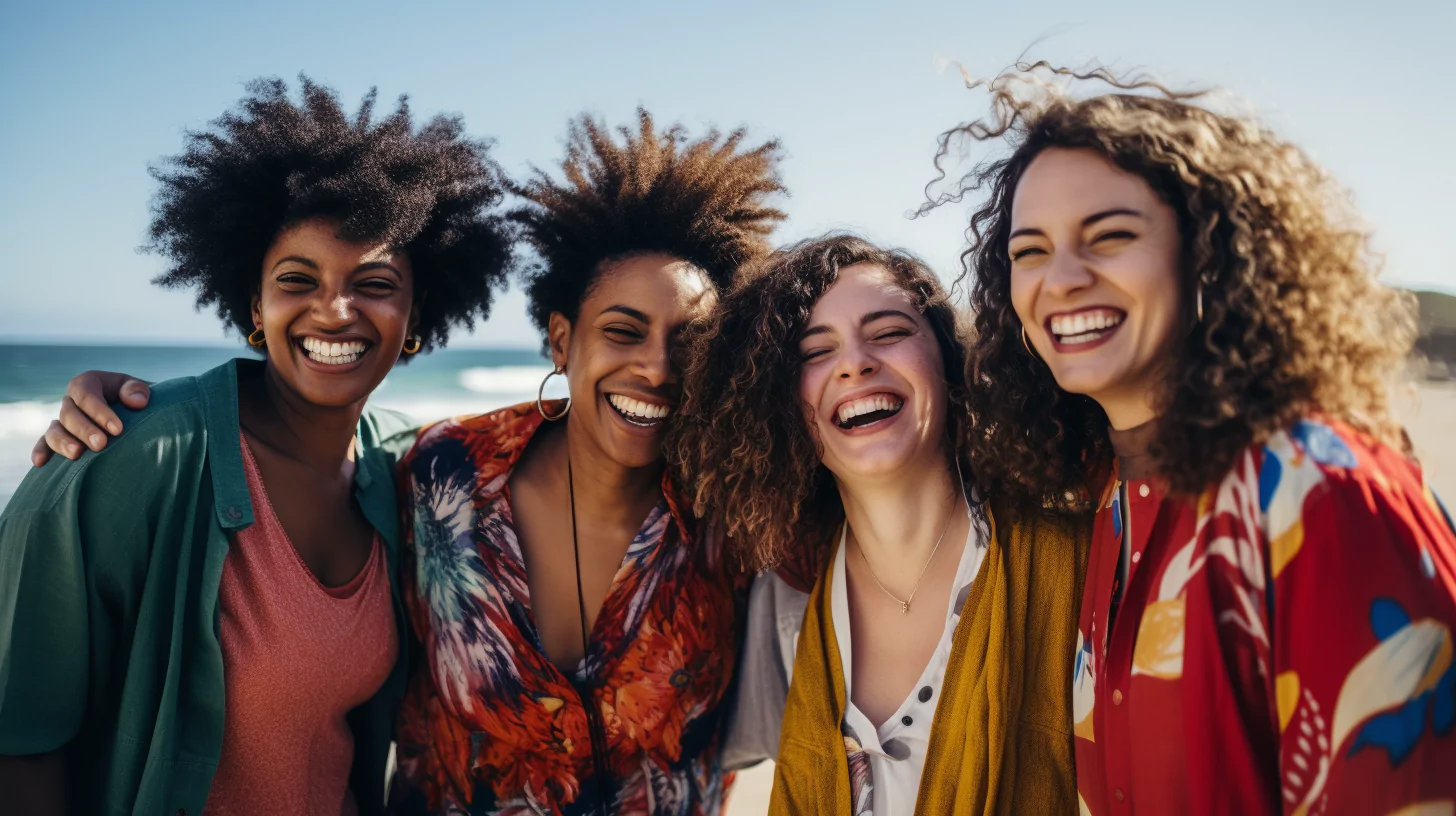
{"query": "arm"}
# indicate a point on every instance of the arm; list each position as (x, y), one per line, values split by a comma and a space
(44, 637)
(86, 410)
(1364, 571)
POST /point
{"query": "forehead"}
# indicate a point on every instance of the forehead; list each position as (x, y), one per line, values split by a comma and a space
(1074, 184)
(861, 288)
(660, 286)
(318, 240)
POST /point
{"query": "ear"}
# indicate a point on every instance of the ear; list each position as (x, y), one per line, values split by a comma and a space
(558, 338)
(257, 309)
(414, 320)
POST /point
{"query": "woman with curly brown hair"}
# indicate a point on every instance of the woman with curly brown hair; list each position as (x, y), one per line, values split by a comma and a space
(1184, 302)
(822, 427)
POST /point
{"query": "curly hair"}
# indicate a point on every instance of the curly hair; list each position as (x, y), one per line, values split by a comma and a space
(703, 201)
(739, 442)
(271, 163)
(1294, 320)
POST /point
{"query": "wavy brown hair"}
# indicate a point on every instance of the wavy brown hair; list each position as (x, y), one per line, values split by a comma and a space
(704, 200)
(1294, 320)
(739, 443)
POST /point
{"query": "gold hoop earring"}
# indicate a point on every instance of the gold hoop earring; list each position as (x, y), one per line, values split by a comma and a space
(541, 396)
(1198, 301)
(256, 339)
(414, 338)
(1031, 352)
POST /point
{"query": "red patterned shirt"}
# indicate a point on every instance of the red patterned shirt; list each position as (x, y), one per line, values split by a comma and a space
(1283, 642)
(489, 724)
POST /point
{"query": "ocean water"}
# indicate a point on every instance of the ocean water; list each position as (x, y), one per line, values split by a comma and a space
(444, 383)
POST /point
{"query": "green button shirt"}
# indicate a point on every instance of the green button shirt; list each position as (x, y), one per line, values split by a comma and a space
(109, 574)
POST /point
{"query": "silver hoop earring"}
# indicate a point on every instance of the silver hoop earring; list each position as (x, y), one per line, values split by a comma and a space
(540, 398)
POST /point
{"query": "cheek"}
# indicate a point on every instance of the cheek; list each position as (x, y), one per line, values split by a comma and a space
(811, 389)
(1023, 295)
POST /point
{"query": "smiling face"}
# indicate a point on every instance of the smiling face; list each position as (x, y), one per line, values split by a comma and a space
(619, 353)
(334, 313)
(871, 378)
(1094, 279)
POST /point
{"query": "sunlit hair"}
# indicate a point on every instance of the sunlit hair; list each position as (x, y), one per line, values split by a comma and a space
(1294, 320)
(704, 200)
(740, 442)
(272, 162)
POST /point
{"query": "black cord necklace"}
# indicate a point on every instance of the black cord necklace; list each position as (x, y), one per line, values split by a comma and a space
(584, 685)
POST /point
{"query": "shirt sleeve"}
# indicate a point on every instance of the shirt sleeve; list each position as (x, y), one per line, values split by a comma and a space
(44, 633)
(761, 687)
(1363, 569)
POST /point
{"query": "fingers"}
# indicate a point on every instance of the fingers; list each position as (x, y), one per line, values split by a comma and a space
(89, 394)
(58, 439)
(135, 394)
(79, 427)
(41, 453)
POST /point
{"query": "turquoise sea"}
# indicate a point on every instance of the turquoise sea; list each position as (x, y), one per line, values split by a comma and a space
(444, 383)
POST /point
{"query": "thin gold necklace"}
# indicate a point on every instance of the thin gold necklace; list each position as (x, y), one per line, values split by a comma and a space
(905, 604)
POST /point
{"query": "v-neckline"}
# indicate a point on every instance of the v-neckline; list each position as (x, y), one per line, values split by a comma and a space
(658, 515)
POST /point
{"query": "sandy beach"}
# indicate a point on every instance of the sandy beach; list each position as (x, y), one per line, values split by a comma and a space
(1430, 416)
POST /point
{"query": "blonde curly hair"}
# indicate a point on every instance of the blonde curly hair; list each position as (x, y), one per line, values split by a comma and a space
(1294, 320)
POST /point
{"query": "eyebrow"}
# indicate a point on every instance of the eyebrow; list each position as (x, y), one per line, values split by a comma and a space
(628, 311)
(863, 321)
(1086, 222)
(363, 267)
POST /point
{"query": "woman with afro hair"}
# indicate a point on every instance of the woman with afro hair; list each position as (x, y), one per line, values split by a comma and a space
(203, 616)
(579, 627)
(1184, 305)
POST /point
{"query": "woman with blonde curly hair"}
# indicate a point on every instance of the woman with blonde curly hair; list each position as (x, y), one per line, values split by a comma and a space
(920, 635)
(1183, 302)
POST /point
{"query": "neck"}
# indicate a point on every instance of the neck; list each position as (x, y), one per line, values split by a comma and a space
(321, 437)
(898, 521)
(605, 490)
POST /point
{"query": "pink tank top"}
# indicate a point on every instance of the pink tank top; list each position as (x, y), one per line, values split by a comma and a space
(297, 657)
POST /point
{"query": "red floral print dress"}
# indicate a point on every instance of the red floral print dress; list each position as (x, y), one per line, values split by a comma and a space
(1283, 643)
(489, 724)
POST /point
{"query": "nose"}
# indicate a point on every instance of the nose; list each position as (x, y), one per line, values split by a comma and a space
(857, 360)
(1066, 275)
(655, 364)
(334, 308)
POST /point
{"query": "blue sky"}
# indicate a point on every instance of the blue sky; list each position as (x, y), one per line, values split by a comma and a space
(857, 92)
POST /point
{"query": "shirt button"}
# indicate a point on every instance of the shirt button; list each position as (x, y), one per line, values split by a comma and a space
(1118, 793)
(234, 513)
(907, 720)
(925, 694)
(1144, 490)
(1117, 697)
(1136, 557)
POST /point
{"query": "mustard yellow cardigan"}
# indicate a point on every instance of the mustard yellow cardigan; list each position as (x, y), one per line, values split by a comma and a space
(1001, 740)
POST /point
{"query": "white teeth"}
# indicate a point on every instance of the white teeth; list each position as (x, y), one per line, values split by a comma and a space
(333, 353)
(637, 408)
(867, 405)
(1071, 326)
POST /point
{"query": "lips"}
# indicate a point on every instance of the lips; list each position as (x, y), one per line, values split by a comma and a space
(860, 412)
(331, 352)
(639, 412)
(1083, 327)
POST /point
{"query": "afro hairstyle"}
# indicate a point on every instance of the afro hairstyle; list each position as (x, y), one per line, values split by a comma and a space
(271, 163)
(702, 200)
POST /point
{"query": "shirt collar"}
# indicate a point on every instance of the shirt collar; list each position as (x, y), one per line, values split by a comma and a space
(219, 386)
